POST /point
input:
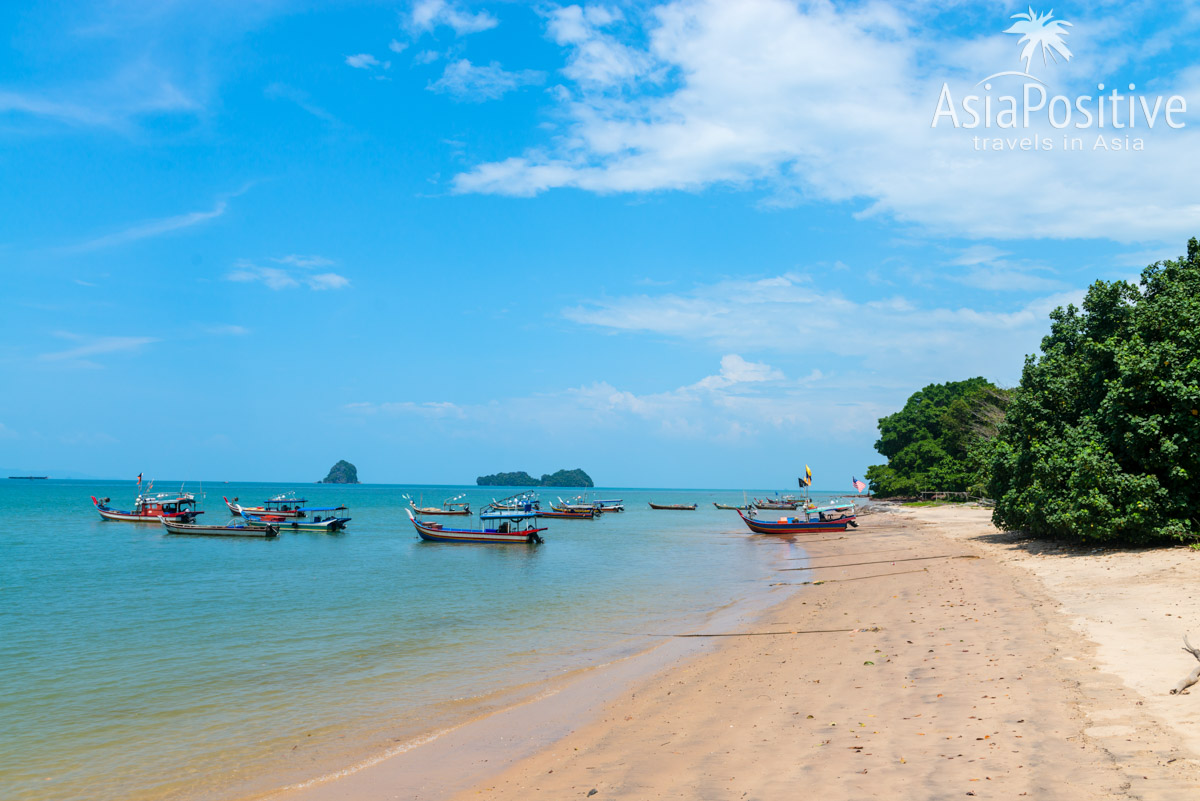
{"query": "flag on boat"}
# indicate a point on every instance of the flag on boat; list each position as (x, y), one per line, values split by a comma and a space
(139, 479)
(858, 485)
(807, 476)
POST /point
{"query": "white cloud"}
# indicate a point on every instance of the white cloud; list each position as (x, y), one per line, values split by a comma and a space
(465, 81)
(397, 46)
(426, 57)
(282, 91)
(834, 103)
(93, 346)
(362, 61)
(429, 14)
(296, 273)
(790, 314)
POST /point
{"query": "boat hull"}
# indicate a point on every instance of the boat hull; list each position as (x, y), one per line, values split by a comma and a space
(590, 515)
(237, 509)
(261, 532)
(730, 507)
(137, 517)
(322, 527)
(799, 527)
(674, 507)
(429, 510)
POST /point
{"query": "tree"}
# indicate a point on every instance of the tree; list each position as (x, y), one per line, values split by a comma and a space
(929, 443)
(1102, 440)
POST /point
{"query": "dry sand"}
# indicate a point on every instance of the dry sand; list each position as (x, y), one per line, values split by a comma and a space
(1011, 674)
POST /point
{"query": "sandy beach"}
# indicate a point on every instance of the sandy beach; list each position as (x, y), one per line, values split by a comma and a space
(932, 657)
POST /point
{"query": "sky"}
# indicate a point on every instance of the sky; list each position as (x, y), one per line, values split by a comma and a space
(684, 244)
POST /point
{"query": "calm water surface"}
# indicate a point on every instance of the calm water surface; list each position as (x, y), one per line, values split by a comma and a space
(138, 665)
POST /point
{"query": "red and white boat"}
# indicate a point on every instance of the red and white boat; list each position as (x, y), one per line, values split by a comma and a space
(177, 507)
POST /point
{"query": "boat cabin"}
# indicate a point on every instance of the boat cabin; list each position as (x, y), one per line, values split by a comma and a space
(166, 504)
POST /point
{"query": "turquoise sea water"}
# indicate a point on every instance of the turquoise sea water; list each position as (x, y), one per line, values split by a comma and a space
(139, 665)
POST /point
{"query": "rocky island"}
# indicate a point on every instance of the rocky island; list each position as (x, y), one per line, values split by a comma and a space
(341, 473)
(561, 478)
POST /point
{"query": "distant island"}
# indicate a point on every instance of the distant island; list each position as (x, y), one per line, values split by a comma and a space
(563, 478)
(341, 473)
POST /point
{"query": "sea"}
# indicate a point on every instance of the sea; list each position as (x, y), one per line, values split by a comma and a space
(139, 665)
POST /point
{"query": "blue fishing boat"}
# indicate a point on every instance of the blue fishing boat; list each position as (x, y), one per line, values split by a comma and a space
(324, 519)
(503, 527)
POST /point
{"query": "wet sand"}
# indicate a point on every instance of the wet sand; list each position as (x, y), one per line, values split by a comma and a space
(973, 666)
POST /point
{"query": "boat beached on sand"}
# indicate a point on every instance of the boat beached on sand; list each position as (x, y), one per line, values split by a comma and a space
(510, 528)
(174, 506)
(817, 520)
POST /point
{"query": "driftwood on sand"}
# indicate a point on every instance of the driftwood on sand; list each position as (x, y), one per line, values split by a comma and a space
(1194, 676)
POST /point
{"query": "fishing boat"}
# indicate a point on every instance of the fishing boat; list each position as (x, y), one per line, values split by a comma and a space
(285, 505)
(678, 507)
(174, 506)
(324, 519)
(809, 521)
(786, 503)
(747, 507)
(450, 506)
(510, 528)
(240, 528)
(560, 513)
(521, 502)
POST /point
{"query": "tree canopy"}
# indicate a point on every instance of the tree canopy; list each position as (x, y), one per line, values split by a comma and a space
(1102, 441)
(932, 442)
(560, 478)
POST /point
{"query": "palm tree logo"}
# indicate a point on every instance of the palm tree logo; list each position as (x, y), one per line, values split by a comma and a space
(1038, 31)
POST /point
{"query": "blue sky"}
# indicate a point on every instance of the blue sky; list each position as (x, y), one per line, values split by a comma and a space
(684, 244)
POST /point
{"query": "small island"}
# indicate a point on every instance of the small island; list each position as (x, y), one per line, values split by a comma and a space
(562, 478)
(341, 473)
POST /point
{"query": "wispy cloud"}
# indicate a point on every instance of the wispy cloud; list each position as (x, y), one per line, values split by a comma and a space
(466, 81)
(93, 346)
(153, 228)
(297, 271)
(366, 61)
(283, 91)
(427, 15)
(227, 330)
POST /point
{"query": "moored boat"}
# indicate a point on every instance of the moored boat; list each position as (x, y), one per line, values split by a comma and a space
(747, 507)
(511, 528)
(809, 521)
(568, 514)
(174, 506)
(231, 529)
(521, 502)
(322, 519)
(678, 507)
(450, 506)
(285, 505)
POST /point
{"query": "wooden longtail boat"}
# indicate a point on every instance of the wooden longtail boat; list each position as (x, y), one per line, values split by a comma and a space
(678, 507)
(521, 502)
(511, 528)
(450, 506)
(813, 521)
(312, 520)
(174, 506)
(285, 505)
(747, 507)
(228, 530)
(568, 514)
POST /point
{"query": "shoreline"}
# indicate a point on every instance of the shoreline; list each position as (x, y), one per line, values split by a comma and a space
(972, 668)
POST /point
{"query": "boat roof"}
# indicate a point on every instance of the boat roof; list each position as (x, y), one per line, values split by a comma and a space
(167, 497)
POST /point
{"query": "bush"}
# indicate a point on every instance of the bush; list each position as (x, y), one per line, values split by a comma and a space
(1102, 440)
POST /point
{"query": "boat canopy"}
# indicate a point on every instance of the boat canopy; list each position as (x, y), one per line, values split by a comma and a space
(507, 515)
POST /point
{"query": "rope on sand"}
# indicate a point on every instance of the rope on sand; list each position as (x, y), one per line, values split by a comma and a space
(883, 562)
(856, 578)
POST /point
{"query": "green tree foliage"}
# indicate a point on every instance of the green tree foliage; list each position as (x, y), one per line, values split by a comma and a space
(935, 441)
(1102, 441)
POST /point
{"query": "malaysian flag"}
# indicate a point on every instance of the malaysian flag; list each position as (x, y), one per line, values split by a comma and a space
(858, 485)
